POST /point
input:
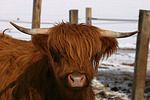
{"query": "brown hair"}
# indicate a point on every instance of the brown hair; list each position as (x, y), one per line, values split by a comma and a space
(35, 70)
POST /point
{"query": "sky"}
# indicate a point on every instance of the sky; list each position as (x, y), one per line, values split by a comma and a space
(54, 11)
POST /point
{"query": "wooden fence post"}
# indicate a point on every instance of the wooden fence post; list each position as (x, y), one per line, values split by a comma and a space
(141, 56)
(73, 16)
(88, 16)
(36, 17)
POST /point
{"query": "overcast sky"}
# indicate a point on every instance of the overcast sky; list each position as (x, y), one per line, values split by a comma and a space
(57, 10)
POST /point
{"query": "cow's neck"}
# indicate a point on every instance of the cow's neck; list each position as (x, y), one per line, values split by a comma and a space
(54, 92)
(85, 94)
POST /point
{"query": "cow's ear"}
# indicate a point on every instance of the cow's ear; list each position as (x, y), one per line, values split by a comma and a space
(109, 46)
(40, 42)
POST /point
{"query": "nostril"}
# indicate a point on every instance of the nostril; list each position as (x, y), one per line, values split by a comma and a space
(72, 78)
(82, 78)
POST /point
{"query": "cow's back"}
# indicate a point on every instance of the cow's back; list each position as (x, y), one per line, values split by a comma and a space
(15, 57)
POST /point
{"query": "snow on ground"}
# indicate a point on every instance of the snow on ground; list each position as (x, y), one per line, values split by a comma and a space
(116, 74)
(103, 92)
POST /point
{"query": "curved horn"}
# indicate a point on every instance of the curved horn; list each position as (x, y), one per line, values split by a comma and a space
(31, 31)
(108, 33)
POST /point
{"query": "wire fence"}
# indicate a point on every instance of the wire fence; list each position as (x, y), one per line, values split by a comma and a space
(107, 21)
(116, 20)
(25, 22)
(100, 21)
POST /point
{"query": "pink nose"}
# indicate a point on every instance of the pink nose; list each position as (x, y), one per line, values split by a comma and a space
(76, 80)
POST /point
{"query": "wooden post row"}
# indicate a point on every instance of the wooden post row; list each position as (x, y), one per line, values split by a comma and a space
(36, 17)
(88, 16)
(141, 56)
(73, 16)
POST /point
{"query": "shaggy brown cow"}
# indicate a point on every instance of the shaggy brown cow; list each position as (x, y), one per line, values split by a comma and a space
(58, 64)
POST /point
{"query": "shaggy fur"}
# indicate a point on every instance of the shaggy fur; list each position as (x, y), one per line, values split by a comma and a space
(37, 69)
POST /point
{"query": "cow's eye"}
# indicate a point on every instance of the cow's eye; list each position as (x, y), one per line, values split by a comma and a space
(56, 56)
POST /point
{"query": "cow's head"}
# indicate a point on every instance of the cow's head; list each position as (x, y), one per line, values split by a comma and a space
(74, 50)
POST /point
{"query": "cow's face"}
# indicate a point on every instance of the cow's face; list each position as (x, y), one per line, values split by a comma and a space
(74, 52)
(72, 65)
(72, 73)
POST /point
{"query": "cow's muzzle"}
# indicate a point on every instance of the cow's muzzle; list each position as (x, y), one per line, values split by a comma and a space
(76, 80)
